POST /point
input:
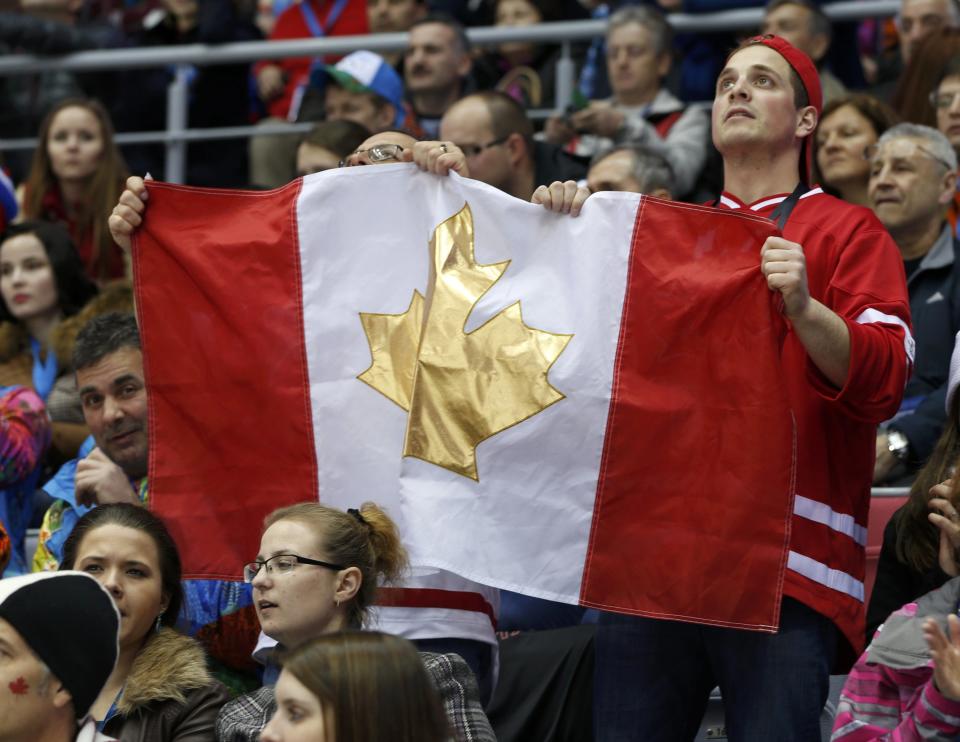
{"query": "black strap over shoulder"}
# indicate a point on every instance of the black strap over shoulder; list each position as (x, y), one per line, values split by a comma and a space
(785, 208)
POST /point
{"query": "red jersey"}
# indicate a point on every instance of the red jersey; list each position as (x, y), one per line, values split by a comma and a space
(855, 269)
(292, 24)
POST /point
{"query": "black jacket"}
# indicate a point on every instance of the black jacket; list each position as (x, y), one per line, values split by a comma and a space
(935, 310)
(219, 96)
(897, 583)
(552, 163)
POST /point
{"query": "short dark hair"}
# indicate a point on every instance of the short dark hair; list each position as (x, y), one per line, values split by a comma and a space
(341, 137)
(74, 288)
(507, 116)
(138, 518)
(445, 19)
(104, 335)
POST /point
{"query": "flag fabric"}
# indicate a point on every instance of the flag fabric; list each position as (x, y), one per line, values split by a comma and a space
(570, 408)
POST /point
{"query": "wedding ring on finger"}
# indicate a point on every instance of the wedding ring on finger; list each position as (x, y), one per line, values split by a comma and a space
(443, 147)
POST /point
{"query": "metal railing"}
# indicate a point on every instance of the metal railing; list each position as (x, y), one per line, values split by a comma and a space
(183, 57)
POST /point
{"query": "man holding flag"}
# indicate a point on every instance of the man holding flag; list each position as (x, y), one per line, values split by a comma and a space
(845, 363)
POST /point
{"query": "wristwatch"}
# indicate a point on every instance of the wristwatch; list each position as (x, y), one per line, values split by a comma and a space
(898, 444)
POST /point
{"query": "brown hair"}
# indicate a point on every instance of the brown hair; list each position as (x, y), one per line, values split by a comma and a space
(105, 186)
(341, 137)
(507, 116)
(917, 538)
(371, 686)
(912, 97)
(878, 113)
(371, 543)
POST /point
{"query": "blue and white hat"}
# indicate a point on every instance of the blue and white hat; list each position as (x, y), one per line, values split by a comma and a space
(366, 72)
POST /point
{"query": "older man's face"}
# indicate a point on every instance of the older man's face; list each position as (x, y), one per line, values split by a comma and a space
(795, 24)
(615, 172)
(920, 18)
(434, 61)
(908, 186)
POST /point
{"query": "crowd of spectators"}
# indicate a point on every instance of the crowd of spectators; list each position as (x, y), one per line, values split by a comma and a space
(73, 412)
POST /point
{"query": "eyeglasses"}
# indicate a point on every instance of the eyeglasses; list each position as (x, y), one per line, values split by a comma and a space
(282, 564)
(870, 152)
(943, 100)
(472, 150)
(376, 153)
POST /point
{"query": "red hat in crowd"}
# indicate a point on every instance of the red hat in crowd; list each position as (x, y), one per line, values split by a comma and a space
(807, 71)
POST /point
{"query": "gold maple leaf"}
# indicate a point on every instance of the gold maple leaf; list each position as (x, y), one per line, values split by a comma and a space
(394, 340)
(459, 387)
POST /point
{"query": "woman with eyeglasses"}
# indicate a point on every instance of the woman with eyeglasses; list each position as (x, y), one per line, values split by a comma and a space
(316, 574)
(849, 127)
(160, 689)
(356, 686)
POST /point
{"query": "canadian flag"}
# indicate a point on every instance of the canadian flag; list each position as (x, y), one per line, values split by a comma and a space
(564, 407)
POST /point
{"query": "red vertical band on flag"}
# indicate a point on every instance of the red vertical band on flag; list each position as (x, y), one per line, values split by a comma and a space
(219, 462)
(694, 499)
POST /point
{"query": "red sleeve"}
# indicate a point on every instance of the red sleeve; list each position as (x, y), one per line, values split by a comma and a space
(868, 290)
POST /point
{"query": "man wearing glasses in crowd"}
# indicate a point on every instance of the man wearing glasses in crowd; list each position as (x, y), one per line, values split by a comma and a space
(496, 137)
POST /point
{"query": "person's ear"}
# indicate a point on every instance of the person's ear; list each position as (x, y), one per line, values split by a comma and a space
(806, 121)
(819, 47)
(516, 147)
(164, 601)
(948, 188)
(61, 696)
(464, 65)
(348, 585)
(386, 115)
(664, 62)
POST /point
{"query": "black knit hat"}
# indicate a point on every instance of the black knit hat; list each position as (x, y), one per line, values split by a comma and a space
(71, 623)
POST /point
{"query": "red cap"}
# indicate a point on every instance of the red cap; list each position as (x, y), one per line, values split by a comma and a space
(807, 72)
